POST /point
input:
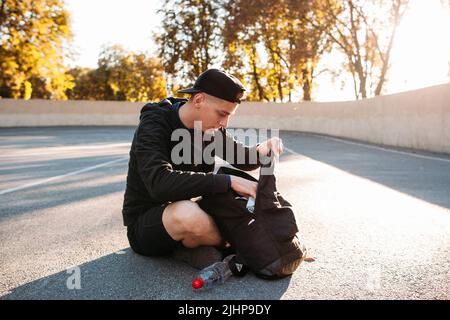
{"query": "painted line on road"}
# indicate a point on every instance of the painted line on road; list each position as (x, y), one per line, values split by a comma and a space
(24, 167)
(53, 150)
(372, 147)
(369, 146)
(291, 151)
(40, 182)
(386, 149)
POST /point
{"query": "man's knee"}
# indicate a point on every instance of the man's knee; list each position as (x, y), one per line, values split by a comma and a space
(185, 218)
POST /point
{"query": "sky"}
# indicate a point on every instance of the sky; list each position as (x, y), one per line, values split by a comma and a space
(420, 56)
(96, 23)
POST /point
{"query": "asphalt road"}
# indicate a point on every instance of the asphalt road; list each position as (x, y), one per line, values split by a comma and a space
(376, 220)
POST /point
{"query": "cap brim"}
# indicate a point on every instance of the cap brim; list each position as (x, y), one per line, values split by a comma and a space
(189, 90)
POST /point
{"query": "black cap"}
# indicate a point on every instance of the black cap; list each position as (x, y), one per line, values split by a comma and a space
(218, 84)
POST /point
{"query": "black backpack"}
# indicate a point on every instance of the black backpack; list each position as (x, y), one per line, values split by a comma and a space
(265, 240)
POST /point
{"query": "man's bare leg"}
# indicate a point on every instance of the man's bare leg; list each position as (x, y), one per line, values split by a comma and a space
(185, 221)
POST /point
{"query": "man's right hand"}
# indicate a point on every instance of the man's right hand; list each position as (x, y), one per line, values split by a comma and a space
(243, 186)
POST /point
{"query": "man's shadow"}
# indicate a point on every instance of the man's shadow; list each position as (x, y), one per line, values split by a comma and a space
(126, 275)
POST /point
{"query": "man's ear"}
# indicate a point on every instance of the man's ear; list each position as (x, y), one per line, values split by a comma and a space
(198, 99)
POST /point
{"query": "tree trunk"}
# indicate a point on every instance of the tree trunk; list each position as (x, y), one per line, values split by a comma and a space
(386, 59)
(280, 85)
(307, 83)
(362, 79)
(362, 86)
(2, 11)
(261, 94)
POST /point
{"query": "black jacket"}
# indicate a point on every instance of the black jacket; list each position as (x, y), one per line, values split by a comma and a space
(153, 179)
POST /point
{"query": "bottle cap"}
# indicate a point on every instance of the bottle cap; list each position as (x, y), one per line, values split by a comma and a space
(198, 283)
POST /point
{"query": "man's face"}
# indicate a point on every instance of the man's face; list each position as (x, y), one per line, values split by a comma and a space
(213, 112)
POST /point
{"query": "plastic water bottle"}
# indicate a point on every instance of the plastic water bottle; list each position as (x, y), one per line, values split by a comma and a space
(251, 205)
(213, 275)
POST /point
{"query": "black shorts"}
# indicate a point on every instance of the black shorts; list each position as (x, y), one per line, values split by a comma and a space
(147, 235)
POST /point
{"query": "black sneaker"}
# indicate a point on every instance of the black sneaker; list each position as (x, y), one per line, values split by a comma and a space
(227, 251)
(199, 257)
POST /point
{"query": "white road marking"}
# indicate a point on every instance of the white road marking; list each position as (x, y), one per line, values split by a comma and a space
(368, 146)
(384, 149)
(291, 151)
(33, 184)
(53, 150)
(24, 167)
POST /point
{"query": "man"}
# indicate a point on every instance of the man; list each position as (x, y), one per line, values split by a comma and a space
(158, 210)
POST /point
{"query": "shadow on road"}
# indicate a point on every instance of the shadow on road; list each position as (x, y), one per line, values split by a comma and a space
(64, 136)
(126, 275)
(66, 190)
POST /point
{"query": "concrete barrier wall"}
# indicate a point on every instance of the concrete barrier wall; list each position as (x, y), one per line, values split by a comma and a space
(38, 113)
(417, 119)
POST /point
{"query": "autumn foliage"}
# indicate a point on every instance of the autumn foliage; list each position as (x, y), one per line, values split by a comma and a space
(274, 46)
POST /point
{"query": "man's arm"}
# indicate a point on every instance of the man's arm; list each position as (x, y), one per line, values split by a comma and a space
(152, 151)
(236, 153)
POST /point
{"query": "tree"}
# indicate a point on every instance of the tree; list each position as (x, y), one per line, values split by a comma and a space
(254, 40)
(138, 78)
(365, 32)
(307, 41)
(88, 85)
(120, 75)
(190, 38)
(32, 36)
(282, 32)
(267, 43)
(240, 42)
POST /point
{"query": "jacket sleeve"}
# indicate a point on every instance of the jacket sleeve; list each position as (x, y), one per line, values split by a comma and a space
(237, 154)
(152, 151)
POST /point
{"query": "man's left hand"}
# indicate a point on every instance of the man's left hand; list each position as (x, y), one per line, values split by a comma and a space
(274, 144)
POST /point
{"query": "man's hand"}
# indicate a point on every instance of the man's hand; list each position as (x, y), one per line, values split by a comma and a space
(274, 144)
(243, 186)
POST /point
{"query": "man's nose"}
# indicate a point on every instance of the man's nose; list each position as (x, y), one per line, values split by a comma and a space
(224, 122)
